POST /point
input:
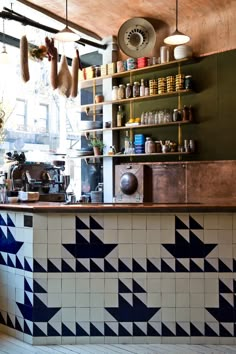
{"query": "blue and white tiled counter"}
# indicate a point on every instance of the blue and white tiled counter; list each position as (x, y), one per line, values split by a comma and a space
(118, 278)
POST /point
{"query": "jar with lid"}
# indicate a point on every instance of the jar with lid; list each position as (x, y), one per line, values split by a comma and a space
(115, 93)
(121, 92)
(175, 115)
(128, 91)
(188, 82)
(136, 89)
(150, 146)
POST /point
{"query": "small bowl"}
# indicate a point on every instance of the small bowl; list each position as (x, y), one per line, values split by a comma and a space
(99, 98)
(12, 200)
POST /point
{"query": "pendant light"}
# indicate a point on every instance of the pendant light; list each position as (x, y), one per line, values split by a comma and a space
(66, 35)
(4, 58)
(177, 37)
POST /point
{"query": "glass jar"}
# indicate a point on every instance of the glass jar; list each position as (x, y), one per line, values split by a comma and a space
(136, 89)
(188, 82)
(115, 93)
(142, 88)
(128, 91)
(121, 92)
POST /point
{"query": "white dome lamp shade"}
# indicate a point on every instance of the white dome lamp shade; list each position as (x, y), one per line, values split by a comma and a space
(177, 37)
(66, 35)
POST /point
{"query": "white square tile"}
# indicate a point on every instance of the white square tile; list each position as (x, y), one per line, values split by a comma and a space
(28, 235)
(182, 300)
(153, 236)
(124, 222)
(40, 250)
(111, 300)
(82, 300)
(110, 222)
(68, 236)
(68, 300)
(197, 314)
(211, 285)
(211, 221)
(225, 251)
(68, 314)
(54, 250)
(54, 285)
(225, 221)
(82, 285)
(168, 236)
(197, 285)
(153, 250)
(225, 236)
(28, 249)
(167, 285)
(153, 285)
(211, 236)
(110, 236)
(40, 221)
(19, 220)
(168, 300)
(153, 222)
(182, 314)
(54, 236)
(182, 285)
(97, 285)
(168, 314)
(68, 285)
(111, 285)
(68, 222)
(124, 236)
(167, 222)
(97, 314)
(211, 300)
(54, 221)
(139, 236)
(54, 300)
(125, 250)
(40, 236)
(97, 300)
(139, 222)
(197, 300)
(154, 300)
(139, 251)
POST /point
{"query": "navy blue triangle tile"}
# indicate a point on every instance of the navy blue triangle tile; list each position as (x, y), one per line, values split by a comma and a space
(123, 288)
(38, 288)
(234, 286)
(209, 331)
(179, 225)
(89, 250)
(38, 267)
(224, 332)
(165, 267)
(123, 267)
(37, 332)
(194, 267)
(108, 267)
(27, 267)
(208, 267)
(181, 247)
(2, 321)
(26, 329)
(27, 287)
(151, 268)
(41, 312)
(137, 331)
(2, 260)
(18, 326)
(94, 267)
(9, 221)
(137, 288)
(223, 289)
(180, 332)
(52, 332)
(142, 313)
(94, 331)
(52, 268)
(179, 267)
(18, 264)
(95, 239)
(9, 262)
(80, 332)
(80, 225)
(123, 332)
(223, 267)
(8, 243)
(197, 247)
(137, 267)
(234, 329)
(109, 332)
(151, 332)
(194, 331)
(223, 303)
(234, 265)
(27, 301)
(193, 224)
(166, 332)
(80, 239)
(26, 310)
(80, 268)
(9, 322)
(65, 267)
(66, 331)
(2, 221)
(94, 224)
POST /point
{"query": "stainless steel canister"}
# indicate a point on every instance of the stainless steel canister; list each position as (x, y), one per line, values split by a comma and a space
(164, 54)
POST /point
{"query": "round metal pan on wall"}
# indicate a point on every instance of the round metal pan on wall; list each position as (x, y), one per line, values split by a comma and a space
(137, 37)
(128, 183)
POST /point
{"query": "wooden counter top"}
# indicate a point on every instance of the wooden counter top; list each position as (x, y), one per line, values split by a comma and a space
(47, 207)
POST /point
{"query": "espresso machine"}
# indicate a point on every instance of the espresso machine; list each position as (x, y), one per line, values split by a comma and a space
(46, 178)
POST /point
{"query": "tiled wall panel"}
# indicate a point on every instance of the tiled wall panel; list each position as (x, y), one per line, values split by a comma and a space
(122, 278)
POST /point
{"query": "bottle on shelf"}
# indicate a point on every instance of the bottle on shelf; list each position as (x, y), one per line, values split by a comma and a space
(119, 117)
(127, 143)
(136, 89)
(128, 91)
(142, 88)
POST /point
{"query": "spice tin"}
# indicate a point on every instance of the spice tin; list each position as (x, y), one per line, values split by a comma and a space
(131, 63)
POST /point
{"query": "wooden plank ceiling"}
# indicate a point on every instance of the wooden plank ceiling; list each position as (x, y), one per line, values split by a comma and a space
(210, 23)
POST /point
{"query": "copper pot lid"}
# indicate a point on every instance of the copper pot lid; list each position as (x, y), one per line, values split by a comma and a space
(128, 183)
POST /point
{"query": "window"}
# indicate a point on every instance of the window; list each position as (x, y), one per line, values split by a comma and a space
(20, 122)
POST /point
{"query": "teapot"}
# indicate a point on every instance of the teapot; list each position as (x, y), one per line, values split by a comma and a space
(165, 146)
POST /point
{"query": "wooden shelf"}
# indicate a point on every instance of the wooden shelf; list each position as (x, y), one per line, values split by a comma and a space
(176, 153)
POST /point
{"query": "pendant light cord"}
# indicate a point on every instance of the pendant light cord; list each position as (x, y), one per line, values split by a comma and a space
(176, 17)
(66, 15)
